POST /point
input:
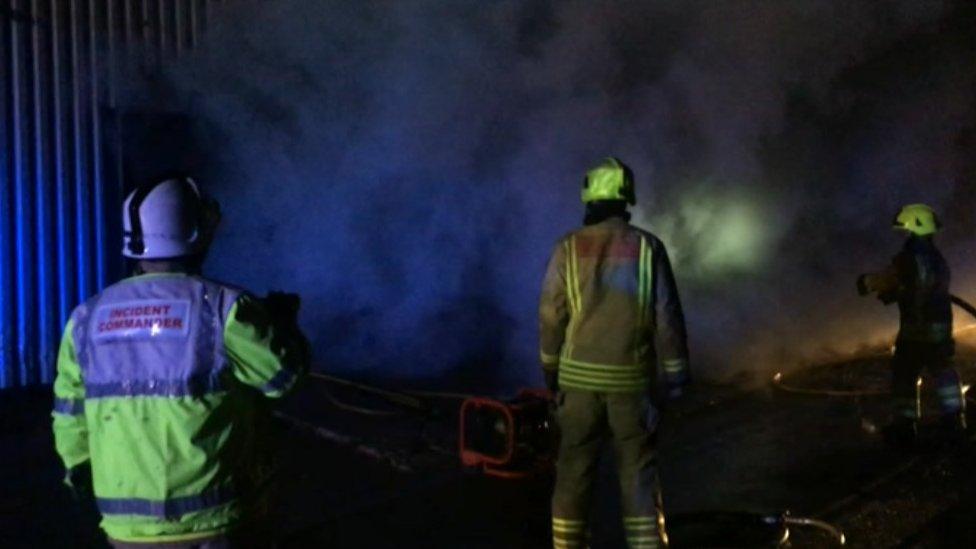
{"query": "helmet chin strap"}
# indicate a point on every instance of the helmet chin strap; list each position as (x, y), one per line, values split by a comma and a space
(208, 214)
(137, 245)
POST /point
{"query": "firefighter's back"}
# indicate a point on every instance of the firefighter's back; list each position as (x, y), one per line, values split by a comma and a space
(159, 405)
(925, 305)
(609, 310)
(609, 279)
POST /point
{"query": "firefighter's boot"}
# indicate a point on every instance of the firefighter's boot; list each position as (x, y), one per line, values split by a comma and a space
(901, 433)
(952, 430)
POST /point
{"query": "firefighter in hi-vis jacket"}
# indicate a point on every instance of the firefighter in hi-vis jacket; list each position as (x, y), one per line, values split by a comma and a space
(609, 313)
(160, 379)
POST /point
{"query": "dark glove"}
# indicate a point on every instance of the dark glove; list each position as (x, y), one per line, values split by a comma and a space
(884, 285)
(78, 479)
(283, 311)
(552, 379)
(283, 308)
(552, 383)
(888, 298)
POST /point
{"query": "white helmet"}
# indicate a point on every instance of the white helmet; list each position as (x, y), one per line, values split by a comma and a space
(168, 219)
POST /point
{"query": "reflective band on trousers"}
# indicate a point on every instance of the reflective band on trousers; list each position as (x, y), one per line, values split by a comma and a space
(642, 532)
(951, 398)
(568, 533)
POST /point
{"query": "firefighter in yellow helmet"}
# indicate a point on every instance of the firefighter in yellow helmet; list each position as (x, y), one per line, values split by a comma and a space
(609, 313)
(918, 280)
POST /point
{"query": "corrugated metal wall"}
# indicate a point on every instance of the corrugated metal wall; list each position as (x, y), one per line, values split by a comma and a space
(61, 180)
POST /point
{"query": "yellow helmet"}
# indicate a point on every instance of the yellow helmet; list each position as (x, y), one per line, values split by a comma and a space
(917, 219)
(610, 180)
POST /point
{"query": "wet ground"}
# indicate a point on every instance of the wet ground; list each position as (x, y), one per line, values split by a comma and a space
(388, 475)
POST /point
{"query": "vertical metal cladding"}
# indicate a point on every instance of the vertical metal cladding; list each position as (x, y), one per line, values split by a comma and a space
(61, 178)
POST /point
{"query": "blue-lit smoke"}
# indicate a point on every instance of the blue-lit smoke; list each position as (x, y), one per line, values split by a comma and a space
(407, 166)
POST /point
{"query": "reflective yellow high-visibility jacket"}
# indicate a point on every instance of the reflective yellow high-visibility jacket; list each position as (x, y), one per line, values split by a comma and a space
(156, 388)
(610, 311)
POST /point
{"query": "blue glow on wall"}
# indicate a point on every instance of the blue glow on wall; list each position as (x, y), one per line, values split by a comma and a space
(60, 170)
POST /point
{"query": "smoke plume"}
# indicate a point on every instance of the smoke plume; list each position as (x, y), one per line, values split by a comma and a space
(408, 166)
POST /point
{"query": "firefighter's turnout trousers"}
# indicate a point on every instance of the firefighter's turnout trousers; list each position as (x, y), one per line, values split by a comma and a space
(921, 279)
(586, 419)
(910, 359)
(609, 314)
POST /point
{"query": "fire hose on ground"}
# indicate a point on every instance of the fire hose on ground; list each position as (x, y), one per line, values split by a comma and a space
(767, 529)
(408, 402)
(743, 529)
(777, 527)
(779, 382)
(406, 399)
(817, 524)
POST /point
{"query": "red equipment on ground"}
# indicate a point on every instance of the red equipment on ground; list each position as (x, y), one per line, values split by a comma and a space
(509, 439)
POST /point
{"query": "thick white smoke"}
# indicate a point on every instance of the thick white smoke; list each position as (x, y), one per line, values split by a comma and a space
(407, 166)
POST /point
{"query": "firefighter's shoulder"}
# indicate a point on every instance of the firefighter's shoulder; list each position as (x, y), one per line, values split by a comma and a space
(652, 240)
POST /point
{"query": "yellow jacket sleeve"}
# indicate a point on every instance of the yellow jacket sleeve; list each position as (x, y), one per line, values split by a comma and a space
(265, 356)
(670, 336)
(70, 424)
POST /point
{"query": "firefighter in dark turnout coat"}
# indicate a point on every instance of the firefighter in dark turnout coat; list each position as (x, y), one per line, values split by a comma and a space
(609, 313)
(918, 280)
